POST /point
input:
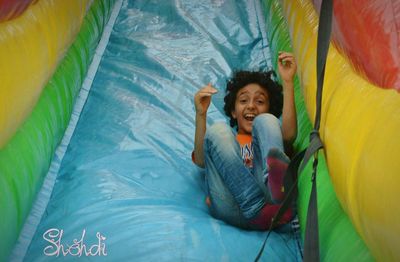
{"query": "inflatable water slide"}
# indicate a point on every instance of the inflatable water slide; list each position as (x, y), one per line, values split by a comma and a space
(97, 127)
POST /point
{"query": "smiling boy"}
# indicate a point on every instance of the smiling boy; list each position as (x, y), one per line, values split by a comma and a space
(245, 167)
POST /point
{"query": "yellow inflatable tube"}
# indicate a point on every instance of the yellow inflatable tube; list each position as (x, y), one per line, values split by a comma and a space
(360, 129)
(30, 52)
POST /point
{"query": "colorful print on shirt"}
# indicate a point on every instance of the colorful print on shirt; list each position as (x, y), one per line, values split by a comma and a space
(246, 149)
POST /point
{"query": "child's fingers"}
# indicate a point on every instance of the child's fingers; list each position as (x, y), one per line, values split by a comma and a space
(286, 60)
(284, 53)
(205, 94)
(209, 89)
(286, 57)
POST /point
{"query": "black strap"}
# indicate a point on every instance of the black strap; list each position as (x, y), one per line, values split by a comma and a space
(290, 197)
(311, 241)
(297, 164)
(324, 35)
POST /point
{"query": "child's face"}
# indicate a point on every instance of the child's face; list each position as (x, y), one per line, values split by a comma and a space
(251, 101)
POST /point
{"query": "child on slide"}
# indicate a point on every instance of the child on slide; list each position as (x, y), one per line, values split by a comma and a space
(245, 166)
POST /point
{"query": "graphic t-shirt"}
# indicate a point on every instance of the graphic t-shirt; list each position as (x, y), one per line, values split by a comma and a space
(246, 149)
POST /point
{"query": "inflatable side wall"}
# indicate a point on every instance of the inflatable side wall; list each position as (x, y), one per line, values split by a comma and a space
(359, 127)
(10, 9)
(45, 55)
(374, 51)
(46, 47)
(339, 241)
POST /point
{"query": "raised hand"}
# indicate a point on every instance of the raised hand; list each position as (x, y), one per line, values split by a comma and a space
(202, 99)
(286, 66)
(287, 70)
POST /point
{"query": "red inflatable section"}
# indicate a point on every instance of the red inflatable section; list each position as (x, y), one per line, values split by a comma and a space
(10, 9)
(368, 32)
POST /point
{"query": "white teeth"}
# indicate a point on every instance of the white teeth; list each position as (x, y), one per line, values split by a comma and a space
(249, 117)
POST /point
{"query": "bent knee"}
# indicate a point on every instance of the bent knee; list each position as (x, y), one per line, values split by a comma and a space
(219, 131)
(218, 128)
(266, 117)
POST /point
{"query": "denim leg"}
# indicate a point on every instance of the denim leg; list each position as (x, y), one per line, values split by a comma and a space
(230, 182)
(266, 134)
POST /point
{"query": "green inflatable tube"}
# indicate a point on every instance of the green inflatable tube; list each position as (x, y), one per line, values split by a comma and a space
(25, 160)
(338, 238)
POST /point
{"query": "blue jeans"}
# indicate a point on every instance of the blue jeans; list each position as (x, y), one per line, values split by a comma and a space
(236, 192)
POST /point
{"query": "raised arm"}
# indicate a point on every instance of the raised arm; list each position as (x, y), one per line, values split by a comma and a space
(202, 100)
(287, 69)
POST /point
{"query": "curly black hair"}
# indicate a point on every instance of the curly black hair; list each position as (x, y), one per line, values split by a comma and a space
(242, 78)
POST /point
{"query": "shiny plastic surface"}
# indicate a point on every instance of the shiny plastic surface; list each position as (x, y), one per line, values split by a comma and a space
(128, 173)
(359, 127)
(10, 9)
(31, 46)
(25, 159)
(339, 241)
(368, 31)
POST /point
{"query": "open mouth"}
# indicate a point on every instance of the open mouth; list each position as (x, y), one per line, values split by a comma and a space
(249, 117)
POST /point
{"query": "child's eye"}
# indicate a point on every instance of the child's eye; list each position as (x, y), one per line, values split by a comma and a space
(260, 102)
(242, 101)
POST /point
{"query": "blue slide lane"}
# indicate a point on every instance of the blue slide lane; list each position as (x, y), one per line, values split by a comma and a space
(127, 186)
